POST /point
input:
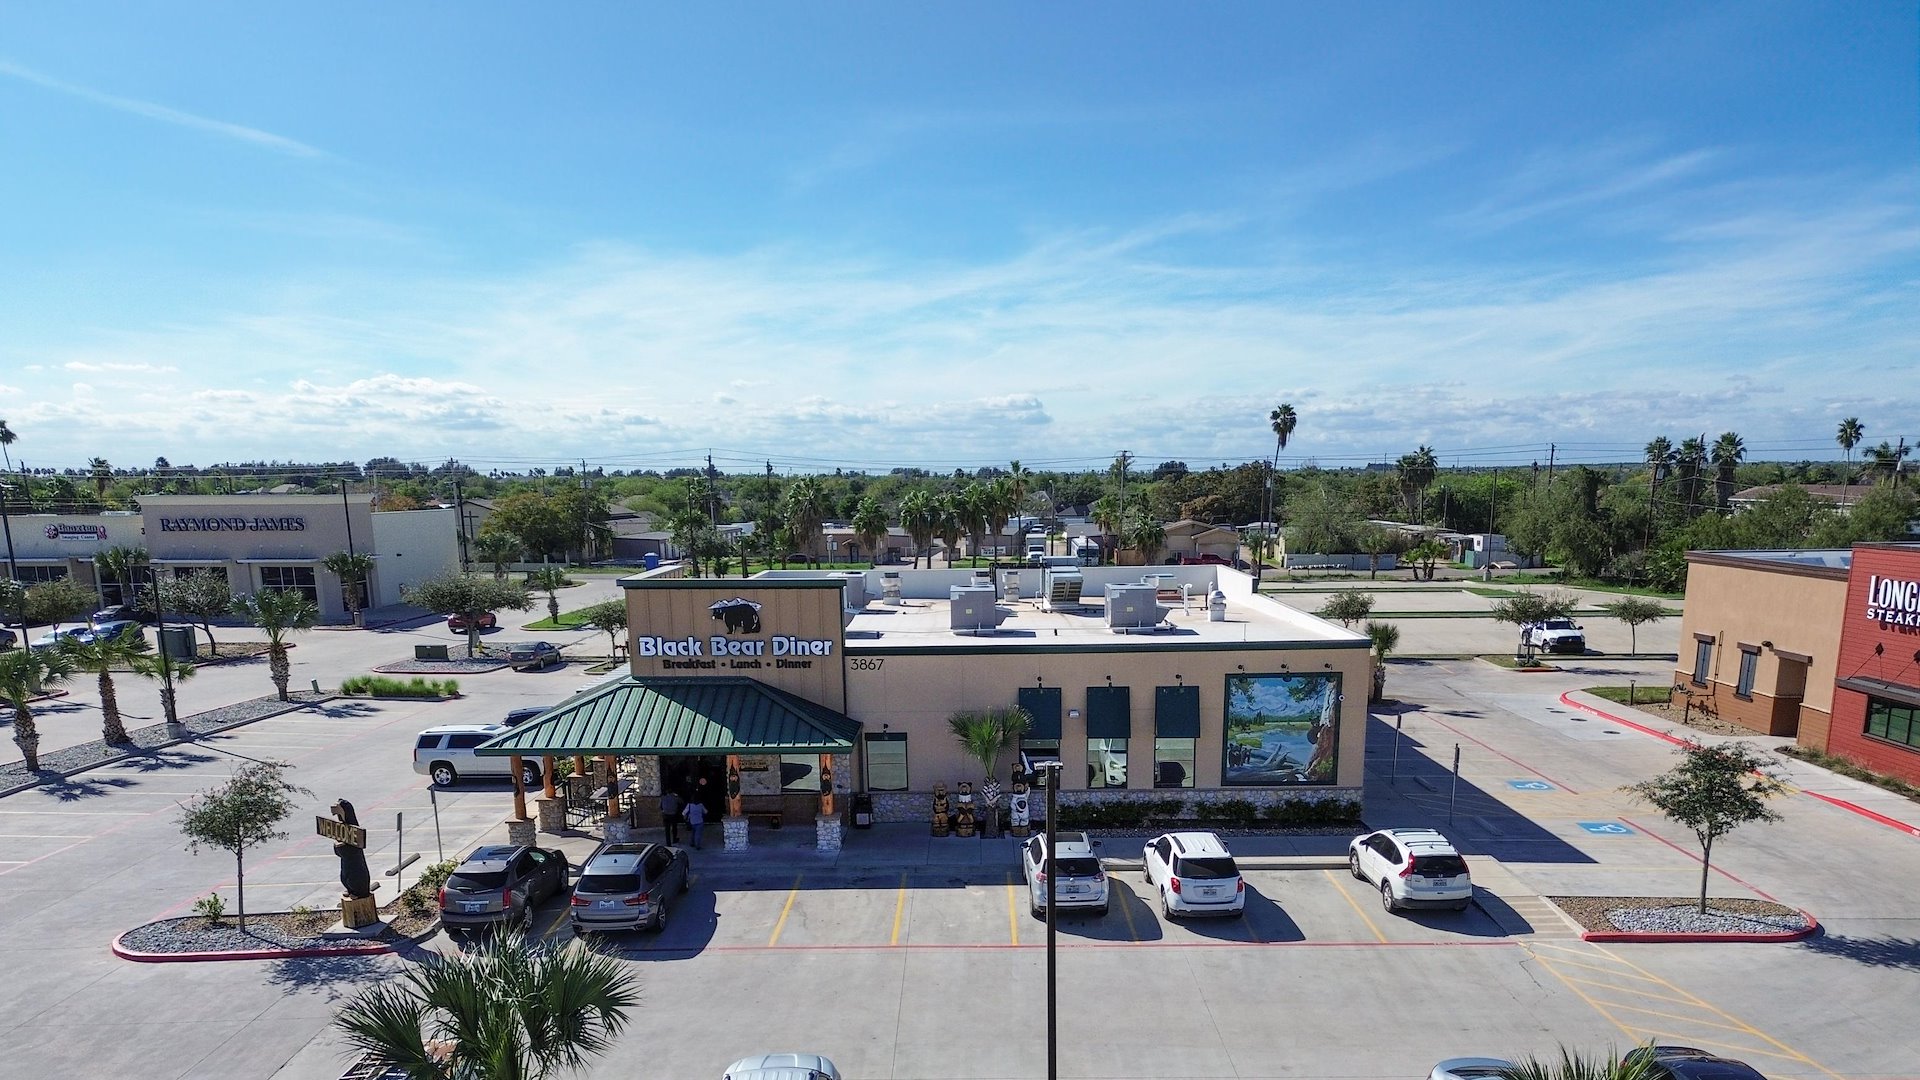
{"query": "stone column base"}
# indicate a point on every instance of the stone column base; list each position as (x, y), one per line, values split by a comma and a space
(552, 814)
(734, 833)
(618, 831)
(826, 829)
(520, 832)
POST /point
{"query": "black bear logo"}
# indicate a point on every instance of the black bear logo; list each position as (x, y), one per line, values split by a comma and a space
(741, 615)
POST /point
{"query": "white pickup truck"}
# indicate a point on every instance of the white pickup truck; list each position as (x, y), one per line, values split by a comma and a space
(1554, 636)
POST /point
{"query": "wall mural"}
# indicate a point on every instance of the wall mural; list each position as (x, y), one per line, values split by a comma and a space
(1282, 729)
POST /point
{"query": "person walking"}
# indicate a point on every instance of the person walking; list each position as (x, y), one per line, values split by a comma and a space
(670, 805)
(696, 815)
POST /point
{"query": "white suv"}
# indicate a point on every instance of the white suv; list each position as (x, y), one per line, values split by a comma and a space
(1078, 880)
(445, 753)
(1195, 875)
(1412, 867)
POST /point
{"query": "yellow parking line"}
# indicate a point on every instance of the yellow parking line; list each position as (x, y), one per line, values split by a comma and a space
(782, 924)
(1364, 917)
(553, 926)
(1582, 994)
(899, 909)
(1126, 909)
(1013, 913)
(1641, 993)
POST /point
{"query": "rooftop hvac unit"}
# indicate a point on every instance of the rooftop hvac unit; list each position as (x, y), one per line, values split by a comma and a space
(1061, 588)
(890, 587)
(1132, 608)
(971, 609)
(983, 577)
(855, 586)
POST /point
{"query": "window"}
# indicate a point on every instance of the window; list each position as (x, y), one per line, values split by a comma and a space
(38, 575)
(887, 761)
(1037, 751)
(428, 742)
(465, 742)
(801, 773)
(1893, 721)
(295, 578)
(1173, 762)
(1702, 659)
(1749, 664)
(1106, 763)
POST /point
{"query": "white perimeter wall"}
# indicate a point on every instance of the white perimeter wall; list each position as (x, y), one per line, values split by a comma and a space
(411, 546)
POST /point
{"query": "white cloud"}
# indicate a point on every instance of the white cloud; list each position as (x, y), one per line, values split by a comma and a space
(162, 113)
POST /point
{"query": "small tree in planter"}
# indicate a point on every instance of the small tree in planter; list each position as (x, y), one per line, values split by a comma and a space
(1386, 638)
(100, 657)
(201, 596)
(158, 665)
(1527, 606)
(1713, 791)
(609, 617)
(241, 814)
(550, 580)
(278, 612)
(24, 673)
(985, 735)
(1347, 607)
(1633, 611)
(472, 597)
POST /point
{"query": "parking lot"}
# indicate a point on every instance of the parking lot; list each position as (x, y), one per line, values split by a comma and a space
(909, 956)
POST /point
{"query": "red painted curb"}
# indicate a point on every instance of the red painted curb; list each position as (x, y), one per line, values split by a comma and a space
(1621, 936)
(138, 957)
(1567, 700)
(1893, 823)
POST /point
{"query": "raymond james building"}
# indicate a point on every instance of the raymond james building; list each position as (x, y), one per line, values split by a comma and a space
(1180, 684)
(1820, 645)
(257, 541)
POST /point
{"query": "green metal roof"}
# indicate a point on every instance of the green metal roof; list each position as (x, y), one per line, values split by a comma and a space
(681, 716)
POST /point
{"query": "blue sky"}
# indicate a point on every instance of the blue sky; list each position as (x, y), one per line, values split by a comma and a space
(874, 234)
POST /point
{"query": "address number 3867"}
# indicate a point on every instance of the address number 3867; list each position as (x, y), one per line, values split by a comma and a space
(868, 663)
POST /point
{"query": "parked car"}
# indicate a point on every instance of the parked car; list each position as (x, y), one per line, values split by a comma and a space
(1555, 636)
(1411, 868)
(445, 754)
(1687, 1063)
(457, 622)
(628, 886)
(1195, 875)
(782, 1067)
(516, 717)
(501, 884)
(117, 612)
(52, 638)
(8, 639)
(534, 655)
(1078, 880)
(1471, 1068)
(113, 628)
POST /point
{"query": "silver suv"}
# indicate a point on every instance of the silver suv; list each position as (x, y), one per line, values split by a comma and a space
(445, 753)
(628, 886)
(1195, 875)
(1411, 868)
(1078, 880)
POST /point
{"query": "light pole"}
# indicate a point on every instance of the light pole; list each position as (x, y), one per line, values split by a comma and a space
(13, 574)
(1050, 770)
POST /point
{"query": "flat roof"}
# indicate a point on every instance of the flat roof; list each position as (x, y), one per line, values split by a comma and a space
(1830, 558)
(923, 625)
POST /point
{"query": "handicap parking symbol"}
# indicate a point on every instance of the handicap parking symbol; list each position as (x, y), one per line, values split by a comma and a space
(1606, 828)
(1530, 785)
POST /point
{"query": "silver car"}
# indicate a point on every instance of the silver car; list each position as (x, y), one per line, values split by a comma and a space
(628, 886)
(501, 884)
(782, 1067)
(1078, 880)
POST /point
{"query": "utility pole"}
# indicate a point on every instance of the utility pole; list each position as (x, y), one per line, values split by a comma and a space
(713, 492)
(345, 511)
(1551, 448)
(460, 526)
(1120, 525)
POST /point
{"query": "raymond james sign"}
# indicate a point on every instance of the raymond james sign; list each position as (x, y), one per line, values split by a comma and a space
(233, 524)
(1893, 602)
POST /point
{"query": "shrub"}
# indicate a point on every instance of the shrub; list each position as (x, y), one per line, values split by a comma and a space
(211, 907)
(1307, 812)
(422, 896)
(1238, 812)
(416, 687)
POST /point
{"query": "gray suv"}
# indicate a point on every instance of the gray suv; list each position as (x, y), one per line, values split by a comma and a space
(628, 886)
(501, 884)
(1078, 880)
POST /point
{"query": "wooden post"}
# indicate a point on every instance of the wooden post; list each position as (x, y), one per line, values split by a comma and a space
(579, 765)
(519, 789)
(613, 785)
(826, 785)
(546, 775)
(733, 785)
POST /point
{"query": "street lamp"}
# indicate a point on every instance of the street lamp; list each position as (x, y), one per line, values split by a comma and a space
(1050, 771)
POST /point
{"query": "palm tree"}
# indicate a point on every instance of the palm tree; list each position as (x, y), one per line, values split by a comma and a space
(1690, 459)
(7, 439)
(1019, 479)
(949, 524)
(1105, 512)
(985, 735)
(352, 568)
(121, 564)
(975, 507)
(1000, 507)
(24, 674)
(100, 654)
(920, 518)
(1659, 460)
(1282, 420)
(102, 474)
(1573, 1066)
(805, 505)
(158, 665)
(1888, 458)
(1850, 433)
(1386, 638)
(506, 1007)
(1417, 470)
(1728, 451)
(278, 613)
(551, 579)
(499, 548)
(1146, 535)
(870, 527)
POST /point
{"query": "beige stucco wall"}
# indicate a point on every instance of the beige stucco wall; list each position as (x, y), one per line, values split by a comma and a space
(1752, 604)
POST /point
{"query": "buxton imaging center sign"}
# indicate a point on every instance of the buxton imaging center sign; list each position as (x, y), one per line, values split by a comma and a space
(1893, 602)
(233, 524)
(76, 532)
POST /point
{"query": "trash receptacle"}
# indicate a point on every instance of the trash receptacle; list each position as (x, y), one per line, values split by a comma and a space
(177, 642)
(429, 652)
(862, 810)
(650, 561)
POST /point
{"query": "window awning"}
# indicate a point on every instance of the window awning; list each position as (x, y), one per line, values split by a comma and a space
(288, 561)
(681, 717)
(1881, 688)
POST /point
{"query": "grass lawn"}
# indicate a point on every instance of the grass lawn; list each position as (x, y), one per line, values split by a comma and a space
(1508, 662)
(569, 620)
(1655, 694)
(1523, 577)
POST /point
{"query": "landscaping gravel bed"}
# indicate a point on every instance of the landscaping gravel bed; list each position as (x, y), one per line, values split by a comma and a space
(1679, 915)
(476, 666)
(272, 930)
(58, 764)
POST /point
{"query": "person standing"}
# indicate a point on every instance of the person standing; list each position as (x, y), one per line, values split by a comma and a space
(670, 805)
(696, 815)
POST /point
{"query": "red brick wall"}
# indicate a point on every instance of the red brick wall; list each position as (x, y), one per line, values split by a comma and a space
(1894, 662)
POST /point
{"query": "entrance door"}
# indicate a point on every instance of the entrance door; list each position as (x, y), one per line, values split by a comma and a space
(698, 779)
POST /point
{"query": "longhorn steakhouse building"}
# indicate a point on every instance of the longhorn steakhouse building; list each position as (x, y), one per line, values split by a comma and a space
(1820, 645)
(781, 686)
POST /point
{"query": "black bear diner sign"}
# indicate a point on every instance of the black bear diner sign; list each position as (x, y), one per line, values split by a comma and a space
(233, 524)
(740, 617)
